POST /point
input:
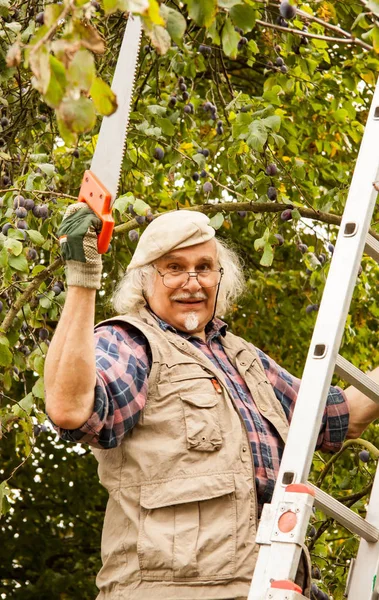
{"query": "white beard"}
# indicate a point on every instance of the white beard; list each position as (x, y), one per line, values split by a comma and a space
(191, 322)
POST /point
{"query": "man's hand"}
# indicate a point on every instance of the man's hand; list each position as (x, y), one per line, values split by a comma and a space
(78, 238)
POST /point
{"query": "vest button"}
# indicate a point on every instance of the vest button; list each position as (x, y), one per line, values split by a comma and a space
(244, 449)
(243, 364)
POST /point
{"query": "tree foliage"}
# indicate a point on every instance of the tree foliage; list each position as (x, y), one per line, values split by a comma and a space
(255, 120)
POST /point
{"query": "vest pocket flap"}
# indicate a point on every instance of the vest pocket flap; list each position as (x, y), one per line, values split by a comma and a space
(187, 372)
(184, 490)
(201, 400)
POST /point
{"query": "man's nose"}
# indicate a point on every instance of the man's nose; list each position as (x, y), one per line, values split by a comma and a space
(192, 284)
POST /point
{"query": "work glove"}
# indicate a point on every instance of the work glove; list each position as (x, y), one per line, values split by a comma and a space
(78, 239)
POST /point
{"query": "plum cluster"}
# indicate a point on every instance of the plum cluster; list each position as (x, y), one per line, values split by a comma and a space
(189, 107)
(22, 206)
(133, 234)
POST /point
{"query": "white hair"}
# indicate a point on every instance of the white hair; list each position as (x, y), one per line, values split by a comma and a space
(138, 284)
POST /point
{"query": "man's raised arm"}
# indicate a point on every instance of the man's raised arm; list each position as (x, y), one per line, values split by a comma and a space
(70, 369)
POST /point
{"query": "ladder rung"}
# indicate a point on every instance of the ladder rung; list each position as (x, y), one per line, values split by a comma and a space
(372, 247)
(345, 516)
(357, 378)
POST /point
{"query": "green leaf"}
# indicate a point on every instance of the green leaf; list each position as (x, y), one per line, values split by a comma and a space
(38, 365)
(38, 388)
(19, 263)
(103, 98)
(36, 237)
(51, 14)
(361, 21)
(267, 256)
(175, 23)
(228, 3)
(77, 115)
(29, 31)
(217, 220)
(49, 170)
(122, 203)
(375, 39)
(4, 341)
(3, 258)
(230, 39)
(57, 83)
(202, 11)
(140, 207)
(110, 6)
(4, 492)
(40, 66)
(16, 234)
(4, 8)
(214, 34)
(82, 70)
(45, 302)
(278, 140)
(13, 246)
(24, 406)
(199, 159)
(5, 356)
(243, 16)
(39, 158)
(166, 126)
(14, 26)
(373, 5)
(257, 135)
(253, 46)
(157, 109)
(272, 122)
(341, 115)
(160, 38)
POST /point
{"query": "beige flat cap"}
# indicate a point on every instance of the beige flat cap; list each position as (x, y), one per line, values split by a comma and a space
(178, 229)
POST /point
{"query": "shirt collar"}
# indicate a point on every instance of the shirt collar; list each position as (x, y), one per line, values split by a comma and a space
(214, 328)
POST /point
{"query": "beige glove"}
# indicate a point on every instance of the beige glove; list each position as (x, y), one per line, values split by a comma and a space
(78, 239)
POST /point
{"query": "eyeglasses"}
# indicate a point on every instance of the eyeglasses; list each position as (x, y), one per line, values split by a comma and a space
(178, 279)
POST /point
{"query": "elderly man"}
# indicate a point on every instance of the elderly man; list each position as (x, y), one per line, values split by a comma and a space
(186, 420)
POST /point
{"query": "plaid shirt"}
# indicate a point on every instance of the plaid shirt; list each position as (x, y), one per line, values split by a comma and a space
(123, 361)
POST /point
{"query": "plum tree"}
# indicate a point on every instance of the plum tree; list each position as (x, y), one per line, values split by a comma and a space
(274, 108)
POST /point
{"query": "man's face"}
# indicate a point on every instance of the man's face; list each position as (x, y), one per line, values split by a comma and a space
(191, 307)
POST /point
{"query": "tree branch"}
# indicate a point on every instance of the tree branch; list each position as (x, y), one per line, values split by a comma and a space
(255, 207)
(27, 294)
(326, 38)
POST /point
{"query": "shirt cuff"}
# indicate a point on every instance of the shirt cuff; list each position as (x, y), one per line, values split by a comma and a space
(336, 421)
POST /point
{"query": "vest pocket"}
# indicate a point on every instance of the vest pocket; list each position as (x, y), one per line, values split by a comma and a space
(202, 422)
(187, 529)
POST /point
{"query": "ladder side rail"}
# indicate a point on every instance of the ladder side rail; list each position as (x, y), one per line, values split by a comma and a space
(364, 579)
(335, 303)
(325, 343)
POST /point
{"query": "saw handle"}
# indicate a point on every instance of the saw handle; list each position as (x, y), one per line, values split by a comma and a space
(98, 199)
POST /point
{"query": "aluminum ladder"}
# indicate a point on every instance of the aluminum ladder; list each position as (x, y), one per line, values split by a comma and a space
(283, 524)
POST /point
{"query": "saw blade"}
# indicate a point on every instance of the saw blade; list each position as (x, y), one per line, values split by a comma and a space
(109, 152)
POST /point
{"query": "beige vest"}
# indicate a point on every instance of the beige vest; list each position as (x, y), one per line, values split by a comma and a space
(181, 518)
